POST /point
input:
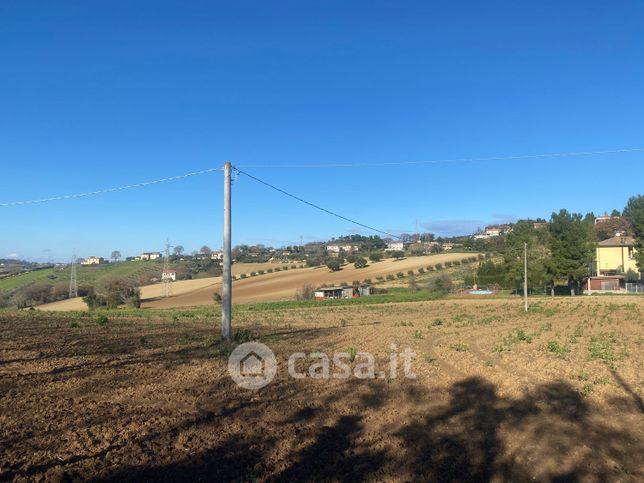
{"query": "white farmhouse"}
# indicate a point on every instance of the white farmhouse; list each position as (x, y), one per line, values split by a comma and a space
(395, 246)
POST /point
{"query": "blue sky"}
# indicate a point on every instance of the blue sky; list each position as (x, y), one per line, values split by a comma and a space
(100, 94)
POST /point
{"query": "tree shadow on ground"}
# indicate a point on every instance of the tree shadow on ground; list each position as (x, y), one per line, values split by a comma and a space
(551, 433)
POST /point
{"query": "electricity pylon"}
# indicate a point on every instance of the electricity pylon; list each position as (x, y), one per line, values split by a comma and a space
(73, 283)
(167, 280)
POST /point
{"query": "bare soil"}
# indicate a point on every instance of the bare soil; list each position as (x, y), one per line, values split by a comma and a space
(149, 398)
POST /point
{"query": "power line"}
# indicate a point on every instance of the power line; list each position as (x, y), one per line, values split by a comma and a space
(322, 166)
(440, 161)
(108, 190)
(314, 205)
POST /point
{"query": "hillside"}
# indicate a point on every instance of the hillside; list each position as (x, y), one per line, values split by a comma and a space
(281, 285)
(90, 275)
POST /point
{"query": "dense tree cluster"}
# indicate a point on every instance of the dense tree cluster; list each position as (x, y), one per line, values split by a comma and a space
(562, 251)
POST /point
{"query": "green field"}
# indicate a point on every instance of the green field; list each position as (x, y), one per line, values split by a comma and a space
(124, 270)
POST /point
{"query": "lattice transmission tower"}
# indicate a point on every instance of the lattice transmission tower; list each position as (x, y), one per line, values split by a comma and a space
(167, 275)
(73, 283)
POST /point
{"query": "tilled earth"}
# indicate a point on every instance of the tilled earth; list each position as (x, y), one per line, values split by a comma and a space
(498, 395)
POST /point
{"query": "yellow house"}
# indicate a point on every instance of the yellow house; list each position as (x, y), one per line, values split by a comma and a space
(616, 255)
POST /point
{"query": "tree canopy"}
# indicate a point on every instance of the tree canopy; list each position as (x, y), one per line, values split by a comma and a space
(571, 247)
(634, 213)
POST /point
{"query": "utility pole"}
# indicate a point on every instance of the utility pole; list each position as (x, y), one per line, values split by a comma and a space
(227, 281)
(73, 284)
(525, 275)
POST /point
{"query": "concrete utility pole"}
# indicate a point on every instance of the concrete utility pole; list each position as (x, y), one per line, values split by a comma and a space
(227, 285)
(525, 275)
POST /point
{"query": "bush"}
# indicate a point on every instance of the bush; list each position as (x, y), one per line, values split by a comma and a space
(456, 263)
(216, 297)
(380, 278)
(448, 264)
(351, 258)
(398, 254)
(312, 262)
(270, 270)
(252, 274)
(430, 268)
(412, 282)
(367, 280)
(306, 292)
(285, 267)
(293, 266)
(421, 270)
(375, 256)
(355, 282)
(333, 264)
(102, 320)
(112, 293)
(410, 272)
(400, 275)
(441, 284)
(243, 275)
(360, 263)
(439, 266)
(390, 277)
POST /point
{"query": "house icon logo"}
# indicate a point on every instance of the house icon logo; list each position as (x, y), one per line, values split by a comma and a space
(252, 365)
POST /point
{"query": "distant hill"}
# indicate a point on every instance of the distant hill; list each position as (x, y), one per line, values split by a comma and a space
(137, 271)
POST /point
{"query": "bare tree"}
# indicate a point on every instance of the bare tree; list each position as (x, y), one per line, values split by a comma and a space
(205, 250)
(178, 250)
(116, 256)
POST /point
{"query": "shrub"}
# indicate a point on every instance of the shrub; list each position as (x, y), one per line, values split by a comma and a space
(367, 280)
(441, 284)
(381, 278)
(293, 266)
(285, 267)
(312, 262)
(448, 264)
(102, 320)
(270, 270)
(216, 297)
(410, 272)
(112, 293)
(375, 256)
(400, 275)
(278, 269)
(243, 275)
(398, 254)
(439, 266)
(260, 272)
(252, 274)
(390, 277)
(360, 263)
(430, 268)
(355, 282)
(306, 292)
(421, 270)
(333, 264)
